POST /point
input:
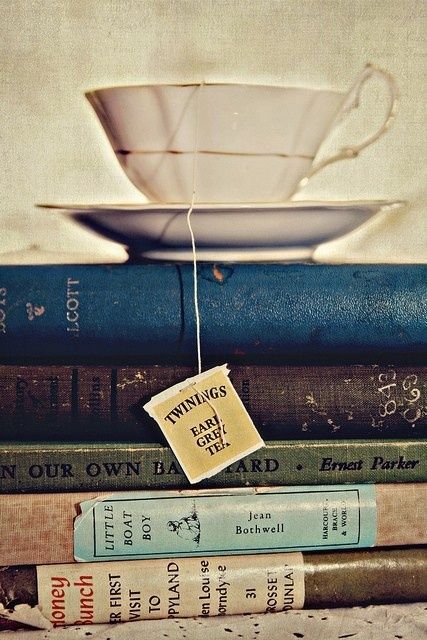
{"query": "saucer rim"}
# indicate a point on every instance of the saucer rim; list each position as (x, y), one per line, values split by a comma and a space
(153, 207)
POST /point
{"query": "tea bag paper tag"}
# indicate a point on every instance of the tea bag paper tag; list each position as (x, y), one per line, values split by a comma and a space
(205, 423)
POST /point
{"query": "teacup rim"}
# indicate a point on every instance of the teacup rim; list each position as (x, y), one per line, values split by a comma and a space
(150, 85)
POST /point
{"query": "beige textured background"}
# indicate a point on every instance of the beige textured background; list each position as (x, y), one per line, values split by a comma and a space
(53, 149)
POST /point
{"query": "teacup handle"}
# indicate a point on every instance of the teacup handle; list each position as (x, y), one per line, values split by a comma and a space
(352, 101)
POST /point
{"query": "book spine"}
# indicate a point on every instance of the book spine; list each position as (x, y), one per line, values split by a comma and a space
(50, 467)
(285, 402)
(249, 313)
(43, 529)
(114, 592)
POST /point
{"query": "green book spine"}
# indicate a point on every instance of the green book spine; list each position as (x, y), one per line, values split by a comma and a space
(276, 582)
(285, 402)
(49, 467)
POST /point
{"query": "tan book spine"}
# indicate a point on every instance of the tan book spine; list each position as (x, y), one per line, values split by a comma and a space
(65, 594)
(38, 528)
(401, 514)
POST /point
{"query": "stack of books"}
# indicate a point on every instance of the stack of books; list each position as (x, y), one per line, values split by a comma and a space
(98, 521)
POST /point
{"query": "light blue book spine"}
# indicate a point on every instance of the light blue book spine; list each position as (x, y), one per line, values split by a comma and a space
(218, 522)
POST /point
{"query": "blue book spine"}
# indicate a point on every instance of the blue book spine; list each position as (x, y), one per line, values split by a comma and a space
(249, 313)
(185, 523)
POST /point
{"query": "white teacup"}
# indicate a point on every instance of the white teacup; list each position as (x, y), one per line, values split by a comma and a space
(226, 142)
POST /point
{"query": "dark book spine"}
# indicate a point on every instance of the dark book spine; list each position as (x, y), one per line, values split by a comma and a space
(249, 313)
(275, 582)
(49, 467)
(285, 402)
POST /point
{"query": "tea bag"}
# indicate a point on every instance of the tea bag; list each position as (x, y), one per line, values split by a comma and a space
(205, 423)
(203, 418)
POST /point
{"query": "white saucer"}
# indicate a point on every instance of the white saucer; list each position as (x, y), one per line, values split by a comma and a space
(253, 254)
(261, 232)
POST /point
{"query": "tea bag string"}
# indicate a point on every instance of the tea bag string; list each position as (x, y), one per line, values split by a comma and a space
(190, 228)
(193, 248)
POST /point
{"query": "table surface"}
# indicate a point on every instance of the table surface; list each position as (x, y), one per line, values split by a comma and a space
(404, 622)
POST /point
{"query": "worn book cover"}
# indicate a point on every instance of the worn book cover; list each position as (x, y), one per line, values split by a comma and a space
(72, 466)
(285, 402)
(43, 529)
(59, 595)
